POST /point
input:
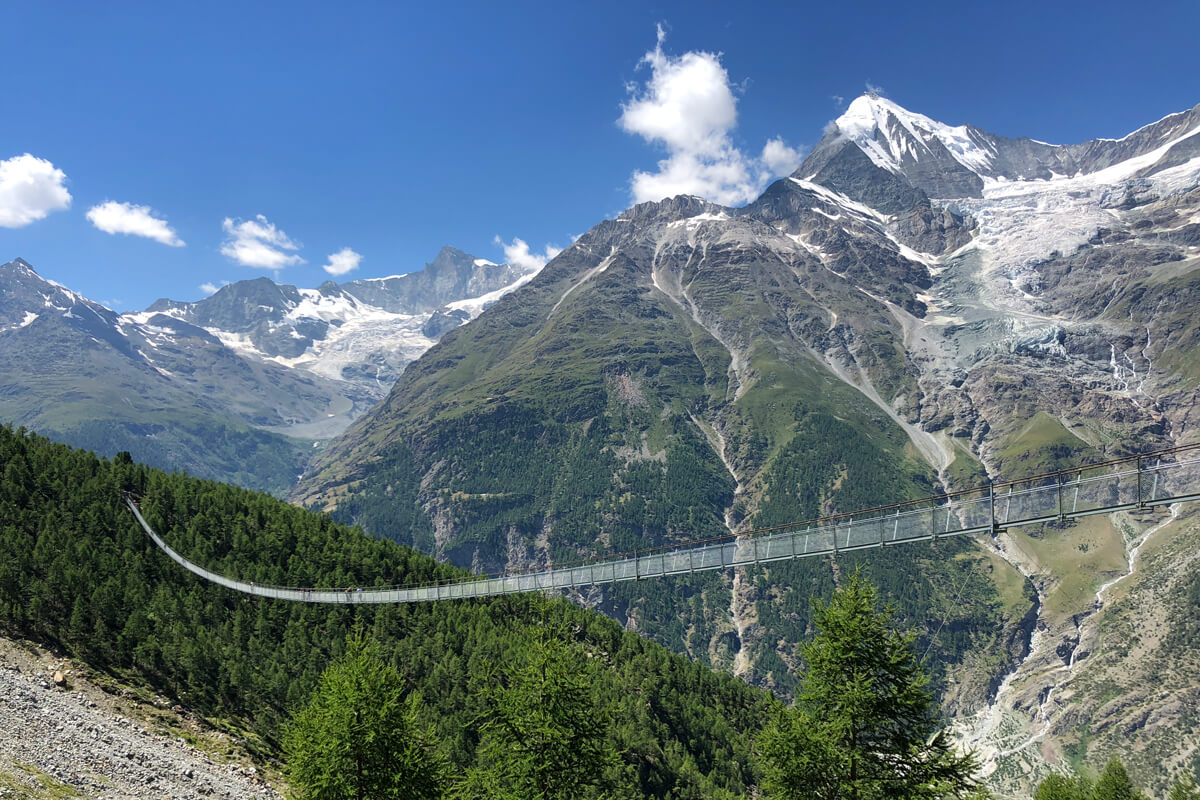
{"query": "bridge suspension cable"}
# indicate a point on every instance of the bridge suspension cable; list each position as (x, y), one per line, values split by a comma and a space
(1145, 481)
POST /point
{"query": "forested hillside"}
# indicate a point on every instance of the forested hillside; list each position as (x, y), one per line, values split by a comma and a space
(77, 572)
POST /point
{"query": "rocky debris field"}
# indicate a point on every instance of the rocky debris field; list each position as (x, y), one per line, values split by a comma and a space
(62, 736)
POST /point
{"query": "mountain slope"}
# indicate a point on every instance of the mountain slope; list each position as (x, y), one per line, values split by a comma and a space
(668, 378)
(918, 307)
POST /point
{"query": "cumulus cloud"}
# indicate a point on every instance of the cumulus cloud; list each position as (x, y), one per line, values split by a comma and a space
(343, 261)
(113, 217)
(258, 243)
(212, 288)
(688, 106)
(518, 254)
(30, 188)
(779, 159)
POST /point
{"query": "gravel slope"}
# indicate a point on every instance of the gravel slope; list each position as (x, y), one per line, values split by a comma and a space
(76, 740)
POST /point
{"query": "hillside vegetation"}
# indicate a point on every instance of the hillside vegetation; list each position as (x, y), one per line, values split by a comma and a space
(77, 572)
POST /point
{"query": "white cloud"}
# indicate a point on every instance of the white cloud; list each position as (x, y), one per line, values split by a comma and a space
(780, 159)
(113, 217)
(211, 288)
(343, 261)
(258, 243)
(518, 254)
(688, 106)
(30, 188)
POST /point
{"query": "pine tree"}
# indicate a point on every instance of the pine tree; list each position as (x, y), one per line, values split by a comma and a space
(545, 734)
(865, 724)
(358, 738)
(1184, 788)
(1114, 783)
(1060, 787)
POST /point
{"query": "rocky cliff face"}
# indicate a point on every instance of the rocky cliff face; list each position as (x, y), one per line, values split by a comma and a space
(918, 307)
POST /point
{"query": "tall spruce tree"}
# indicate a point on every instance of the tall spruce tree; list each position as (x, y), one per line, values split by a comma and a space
(1184, 788)
(359, 738)
(545, 733)
(1062, 787)
(1114, 783)
(865, 724)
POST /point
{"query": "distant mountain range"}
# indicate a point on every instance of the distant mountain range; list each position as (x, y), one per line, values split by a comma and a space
(238, 386)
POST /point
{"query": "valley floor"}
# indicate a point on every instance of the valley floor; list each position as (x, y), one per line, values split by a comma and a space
(76, 740)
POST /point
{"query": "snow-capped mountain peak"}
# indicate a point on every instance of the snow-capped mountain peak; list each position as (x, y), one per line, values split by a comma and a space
(889, 134)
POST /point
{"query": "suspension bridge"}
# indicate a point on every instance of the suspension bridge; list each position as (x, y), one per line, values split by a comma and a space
(1137, 482)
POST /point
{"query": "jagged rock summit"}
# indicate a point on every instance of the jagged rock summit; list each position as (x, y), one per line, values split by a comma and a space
(957, 162)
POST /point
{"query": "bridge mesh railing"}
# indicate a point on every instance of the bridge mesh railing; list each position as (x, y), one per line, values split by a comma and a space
(1137, 482)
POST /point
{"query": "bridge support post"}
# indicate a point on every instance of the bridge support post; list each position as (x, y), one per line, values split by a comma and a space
(1059, 480)
(1140, 502)
(992, 509)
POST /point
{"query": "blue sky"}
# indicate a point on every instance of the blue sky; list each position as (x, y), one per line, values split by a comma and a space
(233, 140)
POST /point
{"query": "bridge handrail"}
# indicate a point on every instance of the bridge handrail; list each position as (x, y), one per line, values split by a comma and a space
(955, 511)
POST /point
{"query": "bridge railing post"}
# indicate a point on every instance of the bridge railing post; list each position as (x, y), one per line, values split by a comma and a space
(992, 508)
(1059, 482)
(1141, 503)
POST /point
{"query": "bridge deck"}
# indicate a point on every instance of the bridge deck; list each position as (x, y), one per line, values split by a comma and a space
(1156, 479)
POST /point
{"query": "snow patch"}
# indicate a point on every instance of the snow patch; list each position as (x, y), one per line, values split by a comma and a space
(839, 199)
(593, 272)
(475, 305)
(692, 222)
